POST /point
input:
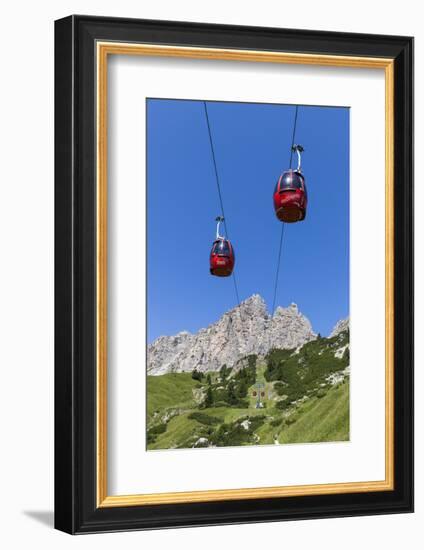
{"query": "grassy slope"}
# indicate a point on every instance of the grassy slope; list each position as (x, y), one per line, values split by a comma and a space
(317, 420)
(170, 390)
(179, 429)
(325, 419)
(286, 377)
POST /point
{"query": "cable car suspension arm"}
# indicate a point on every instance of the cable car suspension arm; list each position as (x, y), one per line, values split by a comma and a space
(298, 149)
(219, 219)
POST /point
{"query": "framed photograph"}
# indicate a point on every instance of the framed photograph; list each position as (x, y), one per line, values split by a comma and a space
(234, 274)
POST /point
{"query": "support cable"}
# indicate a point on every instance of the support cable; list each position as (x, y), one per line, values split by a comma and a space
(221, 202)
(277, 274)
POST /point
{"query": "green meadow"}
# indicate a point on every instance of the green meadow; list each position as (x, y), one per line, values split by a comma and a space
(303, 398)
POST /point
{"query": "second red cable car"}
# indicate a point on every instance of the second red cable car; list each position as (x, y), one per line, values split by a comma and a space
(290, 195)
(222, 258)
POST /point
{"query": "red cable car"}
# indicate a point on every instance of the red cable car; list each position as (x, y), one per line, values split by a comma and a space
(290, 195)
(222, 258)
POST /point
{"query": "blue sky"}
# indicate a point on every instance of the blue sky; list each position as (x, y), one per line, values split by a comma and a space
(252, 146)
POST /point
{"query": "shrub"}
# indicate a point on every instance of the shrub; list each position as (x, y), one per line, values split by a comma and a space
(302, 373)
(256, 421)
(280, 388)
(208, 401)
(224, 372)
(158, 429)
(231, 435)
(251, 360)
(197, 375)
(150, 438)
(247, 375)
(154, 431)
(241, 389)
(241, 404)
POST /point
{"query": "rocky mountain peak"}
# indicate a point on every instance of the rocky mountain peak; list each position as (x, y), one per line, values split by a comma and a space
(291, 310)
(341, 326)
(244, 330)
(255, 305)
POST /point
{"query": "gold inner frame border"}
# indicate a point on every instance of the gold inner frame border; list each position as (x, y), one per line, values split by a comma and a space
(103, 50)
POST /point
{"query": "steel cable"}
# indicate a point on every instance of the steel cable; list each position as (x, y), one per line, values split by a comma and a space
(221, 200)
(280, 247)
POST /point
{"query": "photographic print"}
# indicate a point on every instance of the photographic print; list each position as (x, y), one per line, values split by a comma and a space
(248, 274)
(217, 265)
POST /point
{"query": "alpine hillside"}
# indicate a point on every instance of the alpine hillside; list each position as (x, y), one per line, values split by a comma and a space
(298, 393)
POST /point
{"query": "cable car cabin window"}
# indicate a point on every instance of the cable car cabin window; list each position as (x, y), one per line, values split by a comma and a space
(290, 181)
(222, 248)
(276, 186)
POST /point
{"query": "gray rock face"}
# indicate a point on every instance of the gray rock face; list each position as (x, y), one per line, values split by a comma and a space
(341, 326)
(244, 330)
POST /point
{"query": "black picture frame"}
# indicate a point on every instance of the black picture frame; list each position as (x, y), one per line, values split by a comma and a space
(76, 510)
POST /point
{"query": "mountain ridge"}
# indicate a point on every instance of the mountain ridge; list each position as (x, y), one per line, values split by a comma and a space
(244, 330)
